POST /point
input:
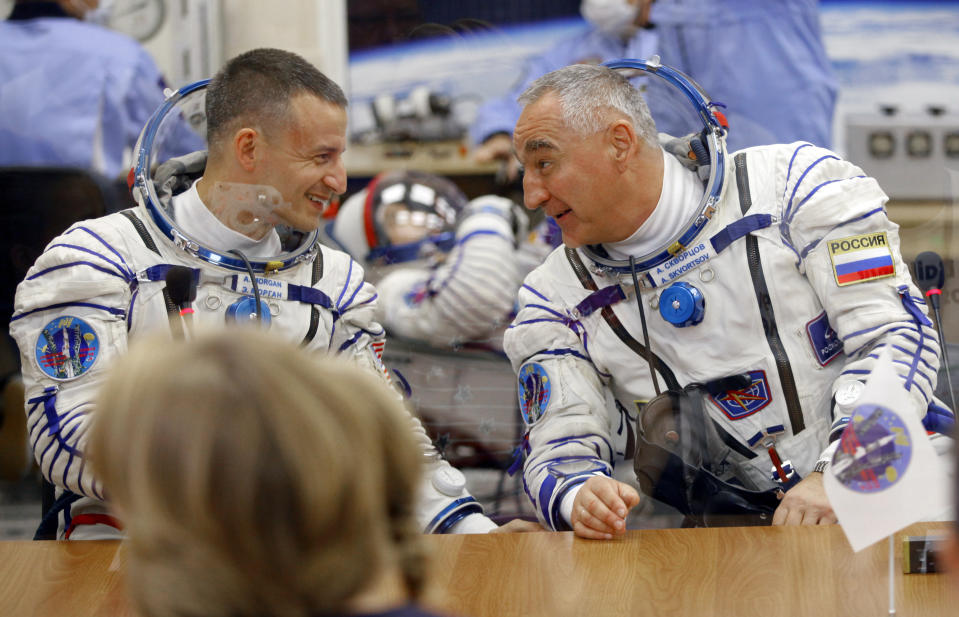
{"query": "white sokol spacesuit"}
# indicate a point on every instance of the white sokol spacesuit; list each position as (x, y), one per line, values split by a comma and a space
(788, 276)
(104, 282)
(446, 270)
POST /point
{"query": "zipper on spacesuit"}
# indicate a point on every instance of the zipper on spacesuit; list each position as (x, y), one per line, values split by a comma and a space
(141, 230)
(314, 312)
(786, 377)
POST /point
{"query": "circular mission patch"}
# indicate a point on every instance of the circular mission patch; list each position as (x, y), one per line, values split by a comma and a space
(874, 450)
(534, 390)
(66, 348)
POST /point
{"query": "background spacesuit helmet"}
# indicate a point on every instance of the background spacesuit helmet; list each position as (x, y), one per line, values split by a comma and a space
(171, 154)
(400, 216)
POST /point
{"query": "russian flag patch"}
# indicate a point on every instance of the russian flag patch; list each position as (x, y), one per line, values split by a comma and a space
(857, 259)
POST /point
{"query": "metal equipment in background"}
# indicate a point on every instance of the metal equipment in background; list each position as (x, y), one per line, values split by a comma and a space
(909, 153)
(420, 116)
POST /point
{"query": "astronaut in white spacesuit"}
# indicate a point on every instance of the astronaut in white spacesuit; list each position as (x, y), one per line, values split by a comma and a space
(210, 235)
(766, 281)
(446, 269)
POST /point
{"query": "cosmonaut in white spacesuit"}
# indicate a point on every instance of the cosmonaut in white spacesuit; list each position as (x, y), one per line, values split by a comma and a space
(446, 269)
(210, 234)
(767, 281)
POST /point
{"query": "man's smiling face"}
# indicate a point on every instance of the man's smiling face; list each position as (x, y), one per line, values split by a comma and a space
(304, 160)
(570, 175)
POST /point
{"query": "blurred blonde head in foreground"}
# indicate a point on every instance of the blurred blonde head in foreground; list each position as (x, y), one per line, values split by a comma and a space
(256, 479)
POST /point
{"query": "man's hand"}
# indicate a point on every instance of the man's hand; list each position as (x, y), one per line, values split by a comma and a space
(805, 504)
(518, 525)
(499, 147)
(601, 506)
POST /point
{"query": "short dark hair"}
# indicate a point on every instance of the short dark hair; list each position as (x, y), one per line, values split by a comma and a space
(257, 86)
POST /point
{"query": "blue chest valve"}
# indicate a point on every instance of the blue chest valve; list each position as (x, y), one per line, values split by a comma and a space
(244, 311)
(682, 305)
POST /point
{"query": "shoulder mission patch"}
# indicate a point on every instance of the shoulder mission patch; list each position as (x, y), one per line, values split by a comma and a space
(857, 259)
(66, 348)
(534, 390)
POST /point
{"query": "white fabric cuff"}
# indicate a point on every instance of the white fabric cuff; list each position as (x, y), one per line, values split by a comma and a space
(566, 506)
(474, 523)
(828, 452)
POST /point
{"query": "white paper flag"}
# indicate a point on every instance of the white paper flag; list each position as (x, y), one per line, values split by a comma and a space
(885, 474)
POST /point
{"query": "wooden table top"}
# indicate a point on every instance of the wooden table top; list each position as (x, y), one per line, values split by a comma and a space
(767, 572)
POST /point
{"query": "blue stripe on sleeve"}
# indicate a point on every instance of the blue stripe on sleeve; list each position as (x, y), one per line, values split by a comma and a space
(104, 243)
(789, 169)
(547, 310)
(789, 213)
(532, 321)
(120, 269)
(813, 192)
(482, 232)
(565, 351)
(543, 499)
(536, 293)
(344, 307)
(349, 275)
(73, 264)
(352, 340)
(109, 309)
(816, 242)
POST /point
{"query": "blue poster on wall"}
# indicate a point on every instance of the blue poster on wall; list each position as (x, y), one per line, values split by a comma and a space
(900, 54)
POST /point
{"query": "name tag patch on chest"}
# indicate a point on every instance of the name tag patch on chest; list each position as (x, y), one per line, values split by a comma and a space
(268, 287)
(825, 343)
(737, 404)
(857, 259)
(682, 263)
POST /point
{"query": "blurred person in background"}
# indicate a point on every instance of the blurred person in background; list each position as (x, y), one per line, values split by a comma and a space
(447, 271)
(446, 268)
(764, 61)
(241, 498)
(74, 93)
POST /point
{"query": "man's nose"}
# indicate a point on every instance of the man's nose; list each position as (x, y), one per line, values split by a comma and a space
(336, 179)
(535, 194)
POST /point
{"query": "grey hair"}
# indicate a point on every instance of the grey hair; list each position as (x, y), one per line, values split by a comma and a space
(587, 92)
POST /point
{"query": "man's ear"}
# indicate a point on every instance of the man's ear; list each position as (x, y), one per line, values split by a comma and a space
(245, 142)
(623, 141)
